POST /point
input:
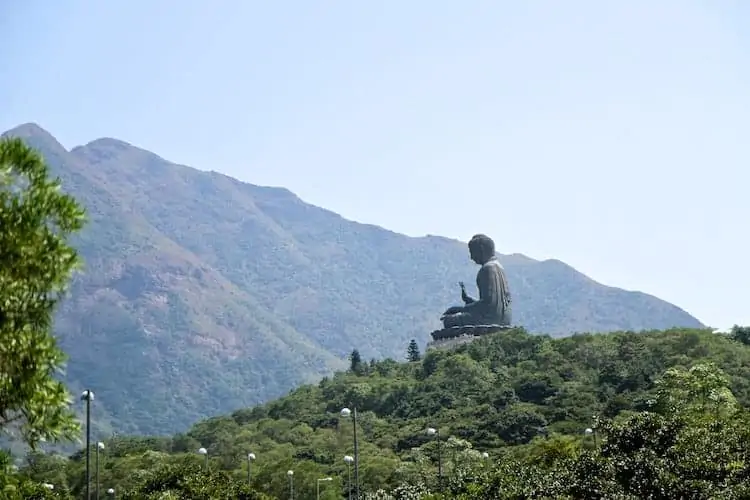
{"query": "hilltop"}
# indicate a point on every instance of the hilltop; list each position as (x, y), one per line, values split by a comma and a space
(511, 395)
(203, 294)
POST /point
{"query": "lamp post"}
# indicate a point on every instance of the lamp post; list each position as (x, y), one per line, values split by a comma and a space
(349, 460)
(88, 397)
(111, 492)
(250, 459)
(204, 452)
(49, 486)
(99, 447)
(431, 431)
(590, 432)
(346, 413)
(484, 458)
(317, 491)
(290, 475)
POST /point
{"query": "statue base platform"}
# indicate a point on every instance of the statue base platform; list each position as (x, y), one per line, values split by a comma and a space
(459, 335)
(450, 343)
(471, 331)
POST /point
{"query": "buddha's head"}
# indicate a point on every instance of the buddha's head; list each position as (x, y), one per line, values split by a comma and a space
(481, 248)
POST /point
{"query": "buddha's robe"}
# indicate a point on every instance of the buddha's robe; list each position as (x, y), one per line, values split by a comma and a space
(494, 304)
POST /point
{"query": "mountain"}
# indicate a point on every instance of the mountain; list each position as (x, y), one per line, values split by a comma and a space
(203, 294)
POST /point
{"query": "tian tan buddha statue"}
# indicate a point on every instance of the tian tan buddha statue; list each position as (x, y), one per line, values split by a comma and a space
(493, 307)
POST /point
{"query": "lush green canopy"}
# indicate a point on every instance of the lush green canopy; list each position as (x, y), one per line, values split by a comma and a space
(666, 411)
(36, 263)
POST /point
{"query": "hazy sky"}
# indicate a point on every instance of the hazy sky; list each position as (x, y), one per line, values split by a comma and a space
(611, 135)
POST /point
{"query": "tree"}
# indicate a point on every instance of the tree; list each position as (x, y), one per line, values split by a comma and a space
(412, 352)
(741, 334)
(36, 264)
(186, 479)
(15, 486)
(355, 362)
(693, 391)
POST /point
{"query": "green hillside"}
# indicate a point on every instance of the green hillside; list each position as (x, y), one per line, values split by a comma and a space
(203, 294)
(523, 399)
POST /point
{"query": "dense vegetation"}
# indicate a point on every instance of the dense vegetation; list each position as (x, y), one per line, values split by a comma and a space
(37, 262)
(213, 295)
(666, 410)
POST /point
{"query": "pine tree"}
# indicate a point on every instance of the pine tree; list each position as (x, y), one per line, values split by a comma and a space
(412, 352)
(355, 361)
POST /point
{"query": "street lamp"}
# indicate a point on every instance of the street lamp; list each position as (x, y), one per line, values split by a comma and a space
(99, 446)
(88, 397)
(49, 486)
(590, 432)
(485, 455)
(204, 452)
(317, 496)
(111, 492)
(349, 460)
(250, 458)
(346, 413)
(290, 475)
(431, 431)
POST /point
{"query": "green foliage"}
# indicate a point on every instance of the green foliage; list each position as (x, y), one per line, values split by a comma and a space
(355, 362)
(665, 454)
(36, 265)
(741, 334)
(702, 389)
(15, 486)
(186, 479)
(412, 352)
(667, 409)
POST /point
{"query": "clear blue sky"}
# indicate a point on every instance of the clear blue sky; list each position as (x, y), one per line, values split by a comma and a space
(609, 134)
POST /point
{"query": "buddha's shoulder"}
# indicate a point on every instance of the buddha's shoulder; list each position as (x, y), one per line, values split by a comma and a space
(492, 265)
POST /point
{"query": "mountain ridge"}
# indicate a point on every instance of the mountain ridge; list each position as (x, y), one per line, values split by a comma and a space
(213, 294)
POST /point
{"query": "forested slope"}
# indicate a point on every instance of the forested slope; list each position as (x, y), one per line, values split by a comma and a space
(514, 396)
